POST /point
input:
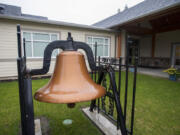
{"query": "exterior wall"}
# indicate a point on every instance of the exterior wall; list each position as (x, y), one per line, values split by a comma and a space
(162, 46)
(8, 43)
(123, 43)
(145, 46)
(162, 56)
(163, 43)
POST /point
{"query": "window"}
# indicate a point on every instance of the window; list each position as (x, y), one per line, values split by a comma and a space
(36, 43)
(103, 44)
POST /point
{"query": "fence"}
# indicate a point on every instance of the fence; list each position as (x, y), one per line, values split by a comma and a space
(117, 105)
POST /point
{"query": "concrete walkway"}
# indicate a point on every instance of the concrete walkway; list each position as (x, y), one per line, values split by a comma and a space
(153, 72)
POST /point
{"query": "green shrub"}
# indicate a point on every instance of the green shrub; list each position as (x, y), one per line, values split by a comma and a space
(172, 71)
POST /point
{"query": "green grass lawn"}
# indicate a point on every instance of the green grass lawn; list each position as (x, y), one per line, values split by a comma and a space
(56, 113)
(157, 109)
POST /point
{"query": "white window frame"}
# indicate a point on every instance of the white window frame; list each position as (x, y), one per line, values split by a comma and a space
(39, 32)
(103, 37)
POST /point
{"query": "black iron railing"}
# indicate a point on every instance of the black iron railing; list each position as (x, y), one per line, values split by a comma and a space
(116, 104)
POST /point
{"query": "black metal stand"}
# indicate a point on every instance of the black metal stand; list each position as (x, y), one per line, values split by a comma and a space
(25, 84)
(117, 101)
(25, 92)
(24, 75)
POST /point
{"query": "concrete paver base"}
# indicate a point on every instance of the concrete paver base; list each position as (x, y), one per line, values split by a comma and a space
(37, 127)
(102, 122)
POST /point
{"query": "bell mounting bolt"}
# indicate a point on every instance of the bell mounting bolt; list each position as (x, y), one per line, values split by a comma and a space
(70, 45)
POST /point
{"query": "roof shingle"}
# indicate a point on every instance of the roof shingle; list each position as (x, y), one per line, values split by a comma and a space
(144, 8)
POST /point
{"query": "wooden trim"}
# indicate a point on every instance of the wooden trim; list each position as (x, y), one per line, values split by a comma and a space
(137, 30)
(119, 46)
(153, 45)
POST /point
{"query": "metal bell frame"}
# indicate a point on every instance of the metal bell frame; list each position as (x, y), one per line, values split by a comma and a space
(25, 80)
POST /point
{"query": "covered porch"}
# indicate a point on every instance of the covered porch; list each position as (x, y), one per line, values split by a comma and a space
(154, 39)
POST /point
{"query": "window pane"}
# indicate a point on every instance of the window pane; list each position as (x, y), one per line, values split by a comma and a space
(27, 36)
(98, 40)
(93, 49)
(39, 36)
(38, 48)
(89, 40)
(106, 41)
(53, 37)
(106, 50)
(55, 52)
(99, 50)
(28, 49)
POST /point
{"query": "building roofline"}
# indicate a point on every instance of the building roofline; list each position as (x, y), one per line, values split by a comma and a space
(60, 23)
(145, 15)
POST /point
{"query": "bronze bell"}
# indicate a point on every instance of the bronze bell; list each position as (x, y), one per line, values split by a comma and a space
(70, 82)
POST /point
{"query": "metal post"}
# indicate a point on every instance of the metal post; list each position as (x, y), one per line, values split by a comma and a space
(95, 59)
(24, 47)
(29, 111)
(25, 92)
(119, 89)
(134, 94)
(19, 41)
(126, 83)
(98, 75)
(93, 102)
(19, 63)
(117, 102)
(119, 82)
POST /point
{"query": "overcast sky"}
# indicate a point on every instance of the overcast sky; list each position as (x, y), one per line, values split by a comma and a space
(75, 11)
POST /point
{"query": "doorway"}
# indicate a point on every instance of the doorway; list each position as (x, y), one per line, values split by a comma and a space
(133, 50)
(175, 55)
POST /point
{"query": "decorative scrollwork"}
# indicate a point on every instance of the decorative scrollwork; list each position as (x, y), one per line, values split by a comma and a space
(103, 99)
(110, 104)
(107, 101)
(111, 101)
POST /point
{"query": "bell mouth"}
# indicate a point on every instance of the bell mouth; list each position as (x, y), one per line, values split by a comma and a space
(69, 98)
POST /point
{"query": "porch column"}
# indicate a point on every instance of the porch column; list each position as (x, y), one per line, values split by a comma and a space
(119, 46)
(153, 45)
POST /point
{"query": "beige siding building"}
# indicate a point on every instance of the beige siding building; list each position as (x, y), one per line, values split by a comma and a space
(8, 41)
